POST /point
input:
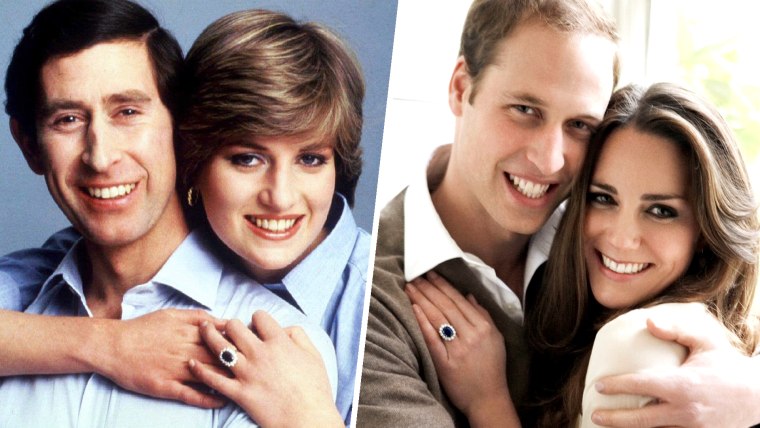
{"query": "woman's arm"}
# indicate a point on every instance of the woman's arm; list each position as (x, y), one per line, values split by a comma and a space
(147, 354)
(472, 366)
(279, 378)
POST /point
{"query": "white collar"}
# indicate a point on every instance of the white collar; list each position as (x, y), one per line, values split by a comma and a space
(427, 243)
(539, 246)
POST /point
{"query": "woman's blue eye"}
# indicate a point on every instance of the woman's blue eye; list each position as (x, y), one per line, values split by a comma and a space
(313, 160)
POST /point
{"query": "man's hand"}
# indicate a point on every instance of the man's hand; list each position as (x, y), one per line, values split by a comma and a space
(717, 385)
(150, 355)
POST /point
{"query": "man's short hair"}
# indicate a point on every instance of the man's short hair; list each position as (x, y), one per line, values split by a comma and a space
(491, 21)
(67, 26)
(261, 73)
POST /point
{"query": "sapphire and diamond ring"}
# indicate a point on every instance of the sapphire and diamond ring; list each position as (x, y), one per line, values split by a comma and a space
(447, 332)
(228, 357)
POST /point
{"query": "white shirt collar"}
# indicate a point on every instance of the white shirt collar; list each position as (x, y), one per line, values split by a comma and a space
(427, 243)
(540, 245)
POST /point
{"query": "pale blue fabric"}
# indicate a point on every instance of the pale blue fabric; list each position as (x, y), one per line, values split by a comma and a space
(192, 278)
(329, 286)
(23, 272)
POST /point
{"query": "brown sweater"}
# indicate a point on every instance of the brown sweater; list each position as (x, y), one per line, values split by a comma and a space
(399, 384)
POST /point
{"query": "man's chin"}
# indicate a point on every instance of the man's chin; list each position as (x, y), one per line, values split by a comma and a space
(110, 237)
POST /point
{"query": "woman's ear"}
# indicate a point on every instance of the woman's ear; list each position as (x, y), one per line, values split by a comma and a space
(459, 86)
(27, 146)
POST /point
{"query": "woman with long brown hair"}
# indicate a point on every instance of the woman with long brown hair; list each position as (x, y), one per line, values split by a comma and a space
(661, 222)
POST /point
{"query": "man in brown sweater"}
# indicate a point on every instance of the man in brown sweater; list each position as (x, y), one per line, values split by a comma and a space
(522, 125)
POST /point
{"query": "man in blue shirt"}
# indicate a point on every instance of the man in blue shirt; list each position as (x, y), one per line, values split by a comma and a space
(91, 87)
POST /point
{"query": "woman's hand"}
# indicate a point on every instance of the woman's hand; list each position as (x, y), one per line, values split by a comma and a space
(279, 378)
(472, 366)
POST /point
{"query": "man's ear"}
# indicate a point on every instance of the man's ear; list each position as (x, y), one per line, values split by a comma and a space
(458, 87)
(27, 147)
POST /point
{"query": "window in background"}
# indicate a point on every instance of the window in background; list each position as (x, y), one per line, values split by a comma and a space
(708, 47)
(417, 117)
(711, 48)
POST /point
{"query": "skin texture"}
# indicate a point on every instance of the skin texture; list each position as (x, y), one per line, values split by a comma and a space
(149, 353)
(282, 178)
(98, 131)
(636, 219)
(526, 117)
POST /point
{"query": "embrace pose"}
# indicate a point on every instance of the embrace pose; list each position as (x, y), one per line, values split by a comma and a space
(530, 87)
(661, 225)
(269, 158)
(483, 215)
(268, 153)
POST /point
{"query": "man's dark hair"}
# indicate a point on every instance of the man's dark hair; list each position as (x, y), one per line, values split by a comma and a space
(68, 26)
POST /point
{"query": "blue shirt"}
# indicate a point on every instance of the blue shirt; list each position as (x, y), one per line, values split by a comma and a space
(329, 286)
(23, 272)
(192, 278)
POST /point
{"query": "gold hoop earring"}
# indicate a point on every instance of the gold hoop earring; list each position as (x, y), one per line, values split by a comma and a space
(191, 198)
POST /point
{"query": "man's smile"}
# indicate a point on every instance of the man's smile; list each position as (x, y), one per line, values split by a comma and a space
(528, 188)
(111, 192)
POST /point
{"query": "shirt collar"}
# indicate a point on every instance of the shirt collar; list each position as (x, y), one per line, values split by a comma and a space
(540, 245)
(427, 243)
(67, 274)
(191, 270)
(315, 280)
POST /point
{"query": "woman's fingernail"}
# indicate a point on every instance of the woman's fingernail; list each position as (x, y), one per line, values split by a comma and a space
(433, 275)
(599, 387)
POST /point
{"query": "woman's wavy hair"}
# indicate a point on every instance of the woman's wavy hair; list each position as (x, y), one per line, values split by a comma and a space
(723, 271)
